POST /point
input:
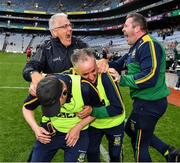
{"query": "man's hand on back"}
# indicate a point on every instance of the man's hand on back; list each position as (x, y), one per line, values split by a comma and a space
(102, 65)
(36, 77)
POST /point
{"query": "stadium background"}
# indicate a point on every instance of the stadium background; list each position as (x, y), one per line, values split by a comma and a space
(98, 22)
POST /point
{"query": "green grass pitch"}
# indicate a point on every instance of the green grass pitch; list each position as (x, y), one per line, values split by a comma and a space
(16, 138)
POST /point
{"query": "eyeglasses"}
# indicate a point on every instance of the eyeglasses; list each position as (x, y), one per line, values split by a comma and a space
(65, 26)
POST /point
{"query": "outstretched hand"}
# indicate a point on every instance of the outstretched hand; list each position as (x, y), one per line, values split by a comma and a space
(114, 74)
(102, 65)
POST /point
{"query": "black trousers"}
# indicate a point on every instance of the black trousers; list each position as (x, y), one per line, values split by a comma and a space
(140, 127)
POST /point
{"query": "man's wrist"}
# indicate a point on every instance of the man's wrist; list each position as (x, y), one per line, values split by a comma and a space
(32, 72)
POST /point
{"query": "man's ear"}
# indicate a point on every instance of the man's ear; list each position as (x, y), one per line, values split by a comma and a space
(137, 28)
(54, 33)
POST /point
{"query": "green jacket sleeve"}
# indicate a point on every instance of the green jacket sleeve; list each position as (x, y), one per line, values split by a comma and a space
(128, 81)
(100, 112)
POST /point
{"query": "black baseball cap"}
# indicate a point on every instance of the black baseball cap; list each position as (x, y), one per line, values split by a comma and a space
(48, 92)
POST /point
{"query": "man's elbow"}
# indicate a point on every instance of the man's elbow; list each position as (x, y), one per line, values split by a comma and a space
(26, 77)
(26, 74)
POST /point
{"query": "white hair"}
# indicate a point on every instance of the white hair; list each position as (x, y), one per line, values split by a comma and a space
(53, 19)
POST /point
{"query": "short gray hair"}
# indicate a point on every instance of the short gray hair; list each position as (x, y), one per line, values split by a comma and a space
(53, 19)
(81, 55)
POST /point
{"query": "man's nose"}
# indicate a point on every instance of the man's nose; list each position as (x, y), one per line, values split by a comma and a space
(123, 29)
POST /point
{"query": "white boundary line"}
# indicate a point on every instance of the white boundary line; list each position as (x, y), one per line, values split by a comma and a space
(104, 153)
(6, 87)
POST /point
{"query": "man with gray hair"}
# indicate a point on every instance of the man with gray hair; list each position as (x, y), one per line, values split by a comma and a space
(112, 126)
(53, 56)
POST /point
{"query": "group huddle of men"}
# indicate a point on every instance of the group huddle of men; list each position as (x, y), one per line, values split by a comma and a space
(81, 99)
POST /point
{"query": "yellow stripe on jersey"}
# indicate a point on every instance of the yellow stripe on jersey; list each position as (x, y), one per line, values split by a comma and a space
(137, 146)
(154, 61)
(30, 102)
(117, 89)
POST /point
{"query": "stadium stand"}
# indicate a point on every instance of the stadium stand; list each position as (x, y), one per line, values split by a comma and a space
(14, 43)
(98, 23)
(2, 38)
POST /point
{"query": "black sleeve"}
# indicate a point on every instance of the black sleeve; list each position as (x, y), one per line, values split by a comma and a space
(89, 94)
(31, 102)
(119, 64)
(113, 94)
(36, 63)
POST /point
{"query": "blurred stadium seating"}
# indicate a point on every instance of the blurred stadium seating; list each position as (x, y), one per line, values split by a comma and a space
(98, 23)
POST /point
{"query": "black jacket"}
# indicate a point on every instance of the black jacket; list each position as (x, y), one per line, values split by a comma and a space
(52, 57)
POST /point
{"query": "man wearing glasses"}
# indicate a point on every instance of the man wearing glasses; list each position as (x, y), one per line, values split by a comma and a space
(61, 96)
(53, 56)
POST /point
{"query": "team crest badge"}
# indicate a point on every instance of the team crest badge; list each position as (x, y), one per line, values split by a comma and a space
(81, 157)
(133, 53)
(117, 141)
(132, 126)
(132, 123)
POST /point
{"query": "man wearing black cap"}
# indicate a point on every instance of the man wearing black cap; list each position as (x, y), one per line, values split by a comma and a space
(60, 127)
(49, 92)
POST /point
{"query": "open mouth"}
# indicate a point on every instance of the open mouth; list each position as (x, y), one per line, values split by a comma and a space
(125, 35)
(68, 37)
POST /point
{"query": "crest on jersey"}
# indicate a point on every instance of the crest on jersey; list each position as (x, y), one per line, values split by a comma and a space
(117, 141)
(81, 157)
